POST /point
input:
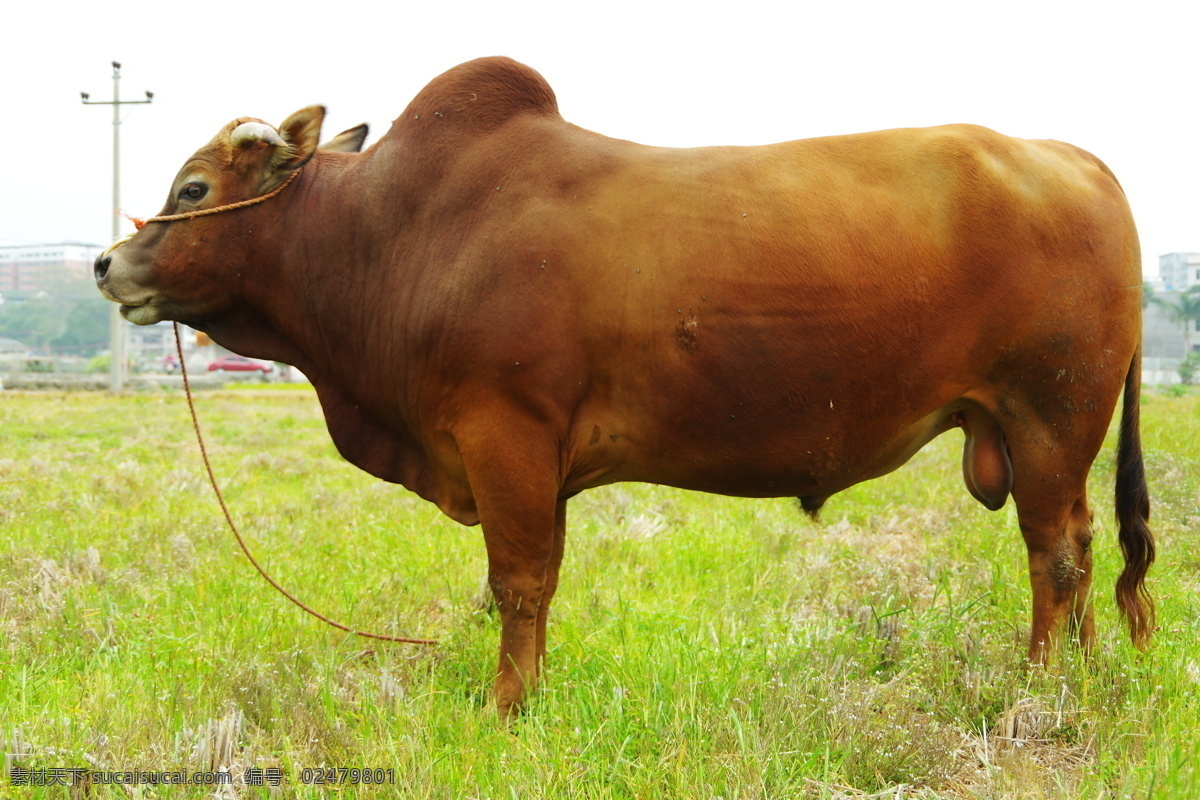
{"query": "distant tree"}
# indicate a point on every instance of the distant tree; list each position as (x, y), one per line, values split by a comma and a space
(1187, 368)
(86, 328)
(1183, 311)
(34, 322)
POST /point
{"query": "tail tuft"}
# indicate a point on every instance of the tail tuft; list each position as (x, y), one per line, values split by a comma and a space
(1133, 514)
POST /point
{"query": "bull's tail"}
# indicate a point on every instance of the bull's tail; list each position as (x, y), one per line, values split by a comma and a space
(1133, 514)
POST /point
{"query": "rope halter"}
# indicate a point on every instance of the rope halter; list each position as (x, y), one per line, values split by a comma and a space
(201, 212)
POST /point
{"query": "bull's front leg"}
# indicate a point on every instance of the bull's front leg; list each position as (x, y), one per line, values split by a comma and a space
(523, 574)
(524, 529)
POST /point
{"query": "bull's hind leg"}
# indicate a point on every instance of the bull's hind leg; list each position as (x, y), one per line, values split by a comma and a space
(1060, 574)
(1083, 622)
(556, 557)
(1049, 488)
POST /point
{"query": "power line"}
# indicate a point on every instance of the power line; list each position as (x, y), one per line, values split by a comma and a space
(116, 325)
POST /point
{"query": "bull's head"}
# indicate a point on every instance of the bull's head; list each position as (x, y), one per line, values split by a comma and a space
(177, 270)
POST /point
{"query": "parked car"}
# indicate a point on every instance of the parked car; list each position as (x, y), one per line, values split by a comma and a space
(240, 364)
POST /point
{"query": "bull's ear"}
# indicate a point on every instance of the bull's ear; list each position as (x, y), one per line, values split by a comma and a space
(350, 141)
(302, 132)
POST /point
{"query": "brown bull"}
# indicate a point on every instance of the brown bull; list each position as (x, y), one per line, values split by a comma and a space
(499, 310)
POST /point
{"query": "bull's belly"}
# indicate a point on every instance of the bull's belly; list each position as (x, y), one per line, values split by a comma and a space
(775, 461)
(763, 461)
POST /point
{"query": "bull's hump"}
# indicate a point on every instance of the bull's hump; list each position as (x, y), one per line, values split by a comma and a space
(479, 95)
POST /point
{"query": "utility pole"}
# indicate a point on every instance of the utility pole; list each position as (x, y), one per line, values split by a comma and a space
(116, 324)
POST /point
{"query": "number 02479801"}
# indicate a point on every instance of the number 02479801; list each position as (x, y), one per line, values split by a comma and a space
(333, 776)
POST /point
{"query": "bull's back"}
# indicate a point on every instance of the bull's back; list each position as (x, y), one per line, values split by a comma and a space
(779, 319)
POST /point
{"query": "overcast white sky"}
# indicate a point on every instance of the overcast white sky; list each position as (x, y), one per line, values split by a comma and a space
(1120, 80)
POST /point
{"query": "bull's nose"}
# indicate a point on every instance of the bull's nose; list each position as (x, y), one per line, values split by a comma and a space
(100, 268)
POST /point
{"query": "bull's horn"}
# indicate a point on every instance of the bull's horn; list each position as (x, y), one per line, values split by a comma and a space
(255, 132)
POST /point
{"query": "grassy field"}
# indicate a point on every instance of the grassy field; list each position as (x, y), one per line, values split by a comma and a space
(701, 647)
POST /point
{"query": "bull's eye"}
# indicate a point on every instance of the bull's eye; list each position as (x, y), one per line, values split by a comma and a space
(193, 191)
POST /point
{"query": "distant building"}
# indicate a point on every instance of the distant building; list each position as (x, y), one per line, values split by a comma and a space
(1164, 343)
(1179, 271)
(1162, 337)
(34, 267)
(149, 345)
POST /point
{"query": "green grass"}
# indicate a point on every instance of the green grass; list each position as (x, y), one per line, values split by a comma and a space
(701, 646)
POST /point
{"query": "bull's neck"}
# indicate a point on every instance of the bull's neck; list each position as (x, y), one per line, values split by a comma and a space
(328, 270)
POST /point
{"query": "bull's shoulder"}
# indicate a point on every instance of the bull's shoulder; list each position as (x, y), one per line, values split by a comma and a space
(478, 96)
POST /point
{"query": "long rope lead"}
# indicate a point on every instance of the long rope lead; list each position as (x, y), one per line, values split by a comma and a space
(241, 541)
